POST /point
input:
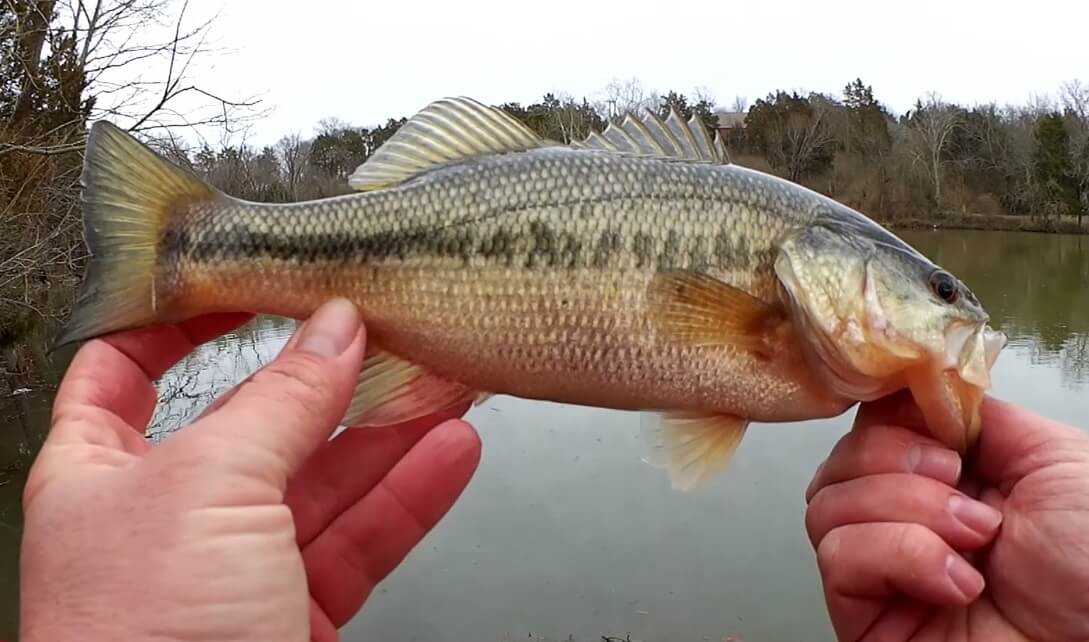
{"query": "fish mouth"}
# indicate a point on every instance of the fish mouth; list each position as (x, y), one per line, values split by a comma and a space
(994, 341)
(972, 350)
(950, 398)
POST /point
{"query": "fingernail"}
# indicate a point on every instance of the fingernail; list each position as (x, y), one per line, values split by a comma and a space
(975, 515)
(938, 463)
(967, 579)
(331, 329)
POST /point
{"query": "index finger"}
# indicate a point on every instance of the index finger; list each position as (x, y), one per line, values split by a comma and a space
(117, 373)
(368, 540)
(881, 449)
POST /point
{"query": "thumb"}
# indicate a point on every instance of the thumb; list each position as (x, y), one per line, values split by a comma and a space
(292, 405)
(1015, 442)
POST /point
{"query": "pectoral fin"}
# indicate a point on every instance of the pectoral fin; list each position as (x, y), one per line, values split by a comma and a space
(698, 309)
(693, 447)
(392, 390)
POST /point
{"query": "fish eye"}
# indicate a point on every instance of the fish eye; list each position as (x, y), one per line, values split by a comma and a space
(945, 286)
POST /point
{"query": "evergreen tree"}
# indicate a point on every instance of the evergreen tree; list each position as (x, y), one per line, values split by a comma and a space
(1053, 165)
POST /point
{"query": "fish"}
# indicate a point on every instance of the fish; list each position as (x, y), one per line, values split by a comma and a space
(635, 269)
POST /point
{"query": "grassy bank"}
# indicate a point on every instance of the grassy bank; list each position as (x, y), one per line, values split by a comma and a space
(995, 222)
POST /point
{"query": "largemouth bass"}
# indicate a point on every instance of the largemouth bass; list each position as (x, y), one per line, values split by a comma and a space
(638, 269)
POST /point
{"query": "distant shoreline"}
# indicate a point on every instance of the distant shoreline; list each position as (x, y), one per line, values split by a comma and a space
(994, 223)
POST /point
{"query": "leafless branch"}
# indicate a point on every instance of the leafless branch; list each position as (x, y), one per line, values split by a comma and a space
(7, 148)
(932, 124)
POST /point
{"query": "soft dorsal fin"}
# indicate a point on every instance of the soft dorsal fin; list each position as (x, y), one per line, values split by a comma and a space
(651, 136)
(446, 131)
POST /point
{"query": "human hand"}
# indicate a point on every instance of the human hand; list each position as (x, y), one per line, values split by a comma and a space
(903, 554)
(248, 525)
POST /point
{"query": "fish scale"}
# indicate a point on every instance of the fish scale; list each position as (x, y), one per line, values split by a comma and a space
(637, 269)
(446, 294)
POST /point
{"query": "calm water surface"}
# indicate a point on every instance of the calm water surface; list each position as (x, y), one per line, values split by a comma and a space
(565, 534)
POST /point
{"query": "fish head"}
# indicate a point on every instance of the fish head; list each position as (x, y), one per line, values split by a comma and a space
(876, 316)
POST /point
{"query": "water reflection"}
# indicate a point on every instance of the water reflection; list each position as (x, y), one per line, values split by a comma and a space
(557, 533)
(217, 366)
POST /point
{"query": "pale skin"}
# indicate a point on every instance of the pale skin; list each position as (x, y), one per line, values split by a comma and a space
(898, 563)
(247, 525)
(252, 525)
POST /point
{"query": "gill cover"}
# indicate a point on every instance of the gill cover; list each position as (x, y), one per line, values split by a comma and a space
(829, 286)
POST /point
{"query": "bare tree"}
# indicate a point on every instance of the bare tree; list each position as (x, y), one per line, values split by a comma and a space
(931, 125)
(572, 119)
(796, 130)
(623, 96)
(740, 104)
(31, 25)
(1074, 96)
(66, 62)
(134, 57)
(137, 55)
(704, 93)
(294, 155)
(1040, 104)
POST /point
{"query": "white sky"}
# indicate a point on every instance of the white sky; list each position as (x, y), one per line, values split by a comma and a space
(365, 61)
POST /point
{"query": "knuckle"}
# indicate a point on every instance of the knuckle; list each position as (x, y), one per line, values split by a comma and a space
(866, 459)
(816, 515)
(297, 380)
(828, 551)
(912, 543)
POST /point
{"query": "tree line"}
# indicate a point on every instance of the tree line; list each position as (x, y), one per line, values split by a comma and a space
(67, 63)
(935, 163)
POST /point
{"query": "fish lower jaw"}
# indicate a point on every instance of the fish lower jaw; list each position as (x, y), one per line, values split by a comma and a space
(864, 389)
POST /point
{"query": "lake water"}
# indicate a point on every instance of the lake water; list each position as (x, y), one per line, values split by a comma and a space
(564, 534)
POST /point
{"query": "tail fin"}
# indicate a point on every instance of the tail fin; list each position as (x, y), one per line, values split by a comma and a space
(129, 196)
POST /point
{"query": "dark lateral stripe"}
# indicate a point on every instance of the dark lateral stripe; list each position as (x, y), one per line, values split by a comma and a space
(537, 245)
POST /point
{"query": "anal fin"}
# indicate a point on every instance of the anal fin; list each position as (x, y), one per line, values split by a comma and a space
(693, 446)
(392, 390)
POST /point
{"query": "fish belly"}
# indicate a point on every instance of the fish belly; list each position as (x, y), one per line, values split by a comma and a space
(581, 338)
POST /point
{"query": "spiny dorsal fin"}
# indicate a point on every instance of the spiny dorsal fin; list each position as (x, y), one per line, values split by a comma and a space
(651, 136)
(446, 131)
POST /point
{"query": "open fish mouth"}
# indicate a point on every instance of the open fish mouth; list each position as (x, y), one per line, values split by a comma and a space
(950, 398)
(973, 352)
(994, 341)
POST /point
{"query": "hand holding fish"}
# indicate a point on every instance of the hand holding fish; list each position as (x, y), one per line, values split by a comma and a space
(248, 525)
(906, 551)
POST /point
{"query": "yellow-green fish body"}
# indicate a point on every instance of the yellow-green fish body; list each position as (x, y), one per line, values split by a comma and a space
(636, 270)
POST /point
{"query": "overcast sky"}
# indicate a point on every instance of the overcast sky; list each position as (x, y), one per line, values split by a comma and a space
(365, 61)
